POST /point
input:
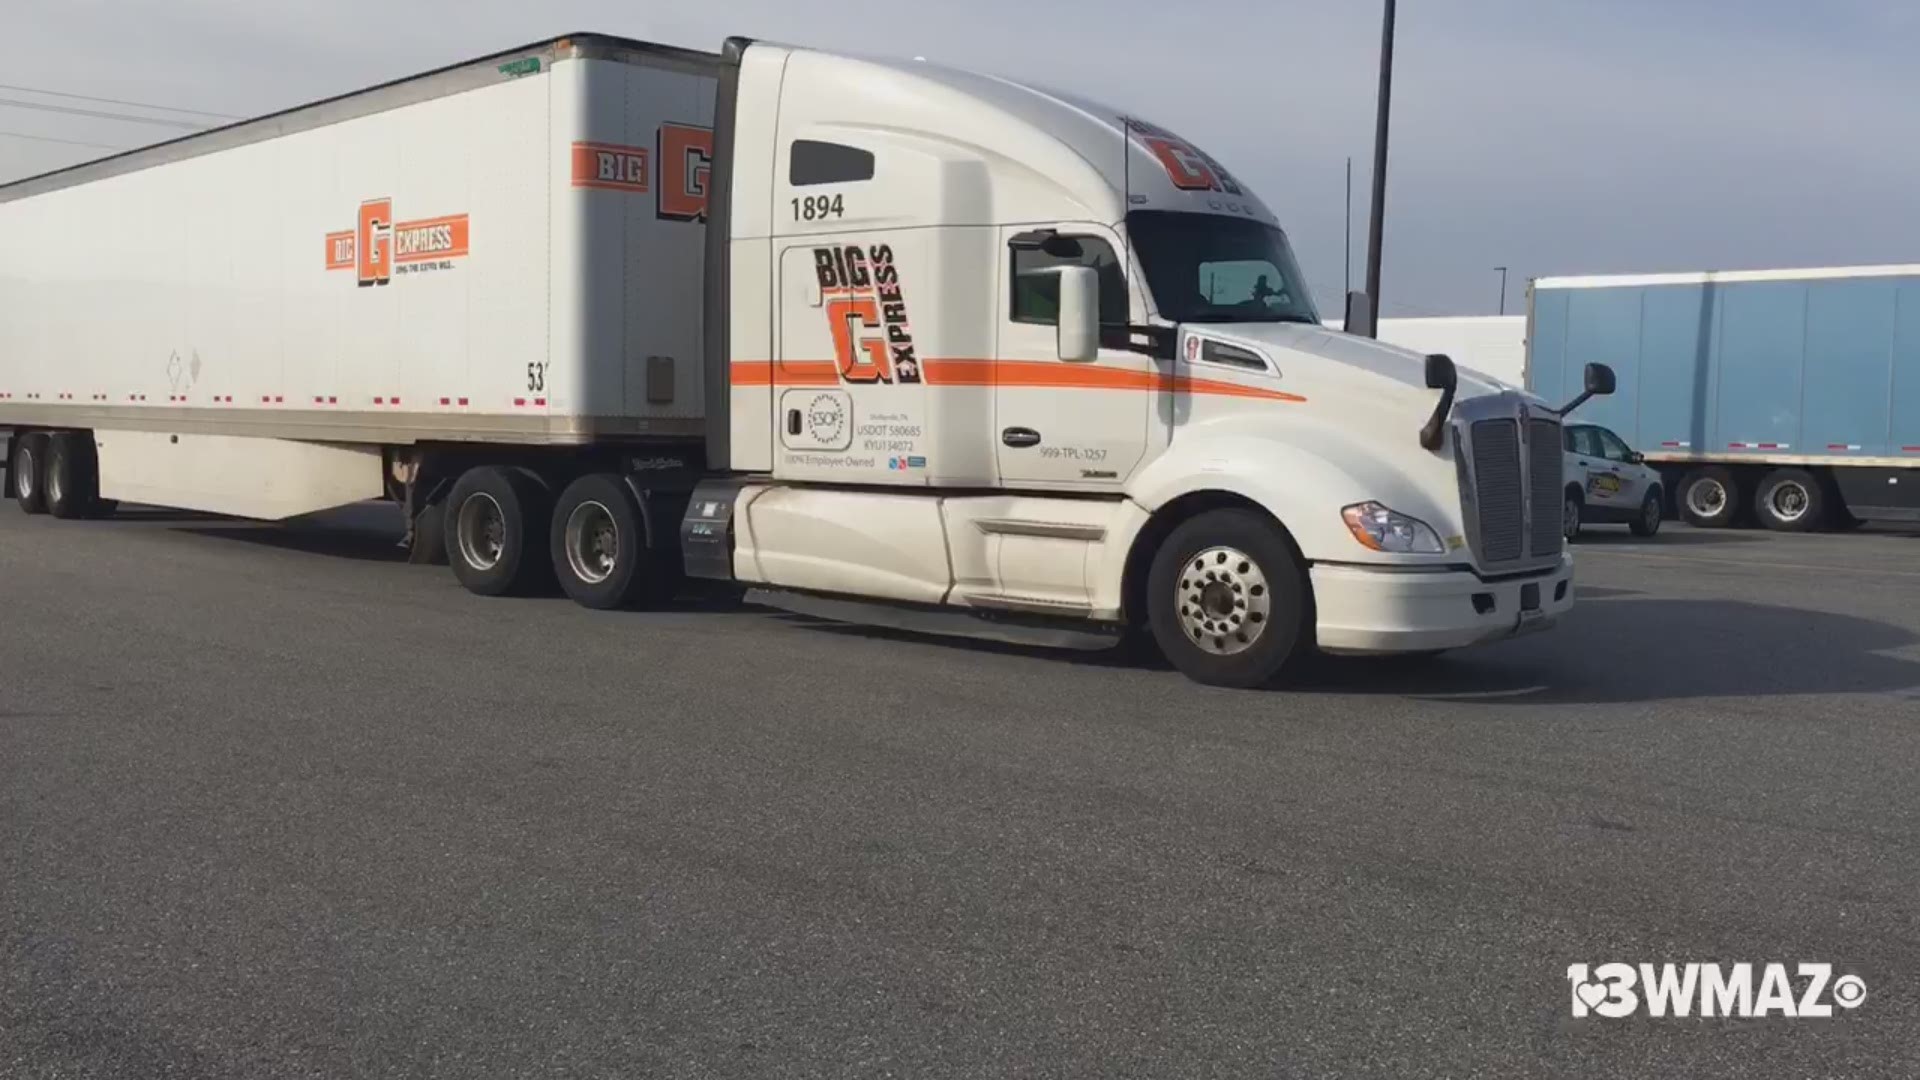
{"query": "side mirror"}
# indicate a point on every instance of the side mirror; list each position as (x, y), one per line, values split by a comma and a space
(1359, 315)
(1441, 376)
(1635, 457)
(1079, 323)
(1600, 382)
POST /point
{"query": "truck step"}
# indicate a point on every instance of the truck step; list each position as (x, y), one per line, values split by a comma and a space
(1037, 631)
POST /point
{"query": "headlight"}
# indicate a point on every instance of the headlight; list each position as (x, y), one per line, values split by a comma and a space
(1383, 529)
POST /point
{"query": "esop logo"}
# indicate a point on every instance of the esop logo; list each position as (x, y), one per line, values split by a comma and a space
(685, 156)
(867, 313)
(1187, 165)
(378, 243)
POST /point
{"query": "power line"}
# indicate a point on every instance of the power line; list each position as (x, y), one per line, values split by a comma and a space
(71, 111)
(118, 101)
(67, 142)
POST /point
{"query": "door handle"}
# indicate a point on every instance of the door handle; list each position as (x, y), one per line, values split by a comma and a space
(1020, 437)
(793, 421)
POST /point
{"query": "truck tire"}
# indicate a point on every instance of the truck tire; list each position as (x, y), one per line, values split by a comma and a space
(1228, 600)
(1647, 522)
(1791, 500)
(1572, 505)
(1709, 498)
(599, 544)
(497, 531)
(28, 472)
(68, 476)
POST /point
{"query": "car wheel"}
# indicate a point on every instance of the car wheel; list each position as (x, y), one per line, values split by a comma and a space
(1647, 522)
(1790, 500)
(1709, 499)
(1228, 600)
(1571, 507)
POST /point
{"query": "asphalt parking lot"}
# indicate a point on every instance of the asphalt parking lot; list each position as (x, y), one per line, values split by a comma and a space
(274, 803)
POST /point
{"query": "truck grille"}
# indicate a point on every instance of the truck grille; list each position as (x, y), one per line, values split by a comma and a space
(1544, 466)
(1499, 490)
(1509, 487)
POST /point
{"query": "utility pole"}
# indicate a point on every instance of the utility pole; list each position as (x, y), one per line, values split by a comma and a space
(1347, 236)
(1503, 289)
(1380, 164)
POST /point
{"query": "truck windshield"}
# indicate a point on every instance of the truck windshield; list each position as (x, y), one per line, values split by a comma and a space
(1207, 268)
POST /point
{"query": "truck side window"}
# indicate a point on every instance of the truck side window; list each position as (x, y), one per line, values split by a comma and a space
(815, 162)
(1036, 289)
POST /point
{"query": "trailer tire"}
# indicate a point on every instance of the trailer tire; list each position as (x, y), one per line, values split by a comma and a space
(1709, 498)
(1791, 500)
(599, 545)
(69, 479)
(1228, 600)
(1647, 522)
(496, 531)
(28, 472)
(1572, 506)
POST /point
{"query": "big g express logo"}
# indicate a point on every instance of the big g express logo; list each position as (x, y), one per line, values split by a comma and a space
(867, 314)
(378, 244)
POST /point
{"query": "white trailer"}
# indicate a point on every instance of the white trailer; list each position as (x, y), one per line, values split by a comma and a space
(883, 339)
(1491, 345)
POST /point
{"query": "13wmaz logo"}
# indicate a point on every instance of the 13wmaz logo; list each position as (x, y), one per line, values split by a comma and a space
(1614, 991)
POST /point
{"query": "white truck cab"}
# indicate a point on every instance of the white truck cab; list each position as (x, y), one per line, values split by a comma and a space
(995, 348)
(883, 340)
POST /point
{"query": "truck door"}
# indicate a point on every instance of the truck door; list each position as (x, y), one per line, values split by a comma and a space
(1066, 424)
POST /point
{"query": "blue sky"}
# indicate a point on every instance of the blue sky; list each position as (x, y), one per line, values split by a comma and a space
(1551, 136)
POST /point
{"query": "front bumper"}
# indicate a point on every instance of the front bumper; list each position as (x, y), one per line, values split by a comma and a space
(1362, 610)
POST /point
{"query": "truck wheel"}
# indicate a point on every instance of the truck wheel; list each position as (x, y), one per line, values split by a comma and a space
(496, 531)
(1709, 499)
(1571, 505)
(600, 551)
(29, 472)
(1227, 600)
(1647, 522)
(68, 475)
(1791, 500)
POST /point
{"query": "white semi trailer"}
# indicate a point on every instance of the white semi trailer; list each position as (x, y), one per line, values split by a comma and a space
(890, 341)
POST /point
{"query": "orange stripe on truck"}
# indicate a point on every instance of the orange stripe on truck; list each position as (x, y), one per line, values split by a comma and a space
(1037, 374)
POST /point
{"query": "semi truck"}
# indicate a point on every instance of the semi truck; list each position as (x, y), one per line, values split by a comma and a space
(882, 340)
(1786, 397)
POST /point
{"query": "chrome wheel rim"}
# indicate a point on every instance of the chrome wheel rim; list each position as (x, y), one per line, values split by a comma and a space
(1707, 498)
(24, 465)
(481, 531)
(593, 542)
(1224, 600)
(1789, 500)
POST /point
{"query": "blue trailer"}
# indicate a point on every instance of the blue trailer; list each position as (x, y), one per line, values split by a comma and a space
(1792, 396)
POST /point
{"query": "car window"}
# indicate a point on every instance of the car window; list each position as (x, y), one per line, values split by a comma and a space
(1585, 442)
(1611, 446)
